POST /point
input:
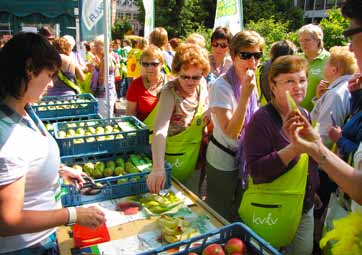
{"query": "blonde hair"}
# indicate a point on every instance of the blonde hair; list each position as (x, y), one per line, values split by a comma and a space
(315, 31)
(99, 40)
(196, 39)
(246, 39)
(344, 59)
(159, 37)
(189, 54)
(152, 51)
(62, 45)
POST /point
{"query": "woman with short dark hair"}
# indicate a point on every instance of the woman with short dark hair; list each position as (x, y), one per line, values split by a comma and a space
(30, 207)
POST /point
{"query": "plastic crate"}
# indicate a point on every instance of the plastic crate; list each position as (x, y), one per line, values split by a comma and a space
(99, 143)
(51, 121)
(254, 243)
(65, 106)
(111, 189)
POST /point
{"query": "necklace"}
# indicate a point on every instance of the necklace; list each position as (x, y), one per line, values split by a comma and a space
(213, 63)
(153, 87)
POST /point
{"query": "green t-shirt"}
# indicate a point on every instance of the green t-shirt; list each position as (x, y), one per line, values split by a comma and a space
(315, 75)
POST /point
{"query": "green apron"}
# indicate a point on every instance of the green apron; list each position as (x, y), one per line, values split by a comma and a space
(273, 210)
(149, 121)
(182, 150)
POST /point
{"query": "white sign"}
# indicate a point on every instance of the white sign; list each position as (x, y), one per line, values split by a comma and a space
(149, 17)
(229, 14)
(30, 29)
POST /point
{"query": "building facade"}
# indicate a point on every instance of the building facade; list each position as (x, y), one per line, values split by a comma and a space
(127, 9)
(315, 10)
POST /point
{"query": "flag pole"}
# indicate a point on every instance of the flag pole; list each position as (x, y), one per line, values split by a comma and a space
(106, 55)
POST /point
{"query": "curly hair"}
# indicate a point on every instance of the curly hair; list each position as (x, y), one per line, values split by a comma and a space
(153, 51)
(344, 59)
(189, 54)
(62, 45)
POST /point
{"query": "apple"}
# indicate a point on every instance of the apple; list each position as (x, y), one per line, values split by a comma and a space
(235, 245)
(213, 249)
(192, 253)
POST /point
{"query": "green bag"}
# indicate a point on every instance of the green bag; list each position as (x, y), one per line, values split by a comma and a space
(273, 210)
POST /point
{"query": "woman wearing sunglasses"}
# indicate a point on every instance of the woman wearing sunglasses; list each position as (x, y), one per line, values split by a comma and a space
(278, 201)
(219, 61)
(142, 96)
(179, 120)
(232, 102)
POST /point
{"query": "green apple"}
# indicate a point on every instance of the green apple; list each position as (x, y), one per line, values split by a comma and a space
(91, 130)
(70, 133)
(111, 164)
(108, 172)
(99, 130)
(108, 129)
(80, 131)
(62, 134)
(77, 168)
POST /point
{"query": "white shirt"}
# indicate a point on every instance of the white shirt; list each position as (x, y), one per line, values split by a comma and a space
(335, 100)
(222, 96)
(35, 156)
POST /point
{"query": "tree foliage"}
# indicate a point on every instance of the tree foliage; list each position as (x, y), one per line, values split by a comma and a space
(120, 28)
(272, 30)
(181, 17)
(283, 10)
(333, 26)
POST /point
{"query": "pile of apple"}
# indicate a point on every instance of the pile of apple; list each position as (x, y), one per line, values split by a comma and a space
(61, 104)
(234, 246)
(89, 129)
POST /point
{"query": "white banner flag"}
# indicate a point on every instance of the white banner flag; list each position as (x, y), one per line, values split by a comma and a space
(149, 17)
(229, 13)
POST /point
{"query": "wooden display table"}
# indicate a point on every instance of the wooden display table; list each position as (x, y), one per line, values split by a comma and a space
(135, 227)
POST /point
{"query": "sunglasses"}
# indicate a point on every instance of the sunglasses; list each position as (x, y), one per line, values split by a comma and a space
(350, 32)
(154, 64)
(249, 55)
(221, 45)
(194, 78)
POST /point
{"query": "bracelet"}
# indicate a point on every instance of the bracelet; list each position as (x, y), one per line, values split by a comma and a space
(72, 215)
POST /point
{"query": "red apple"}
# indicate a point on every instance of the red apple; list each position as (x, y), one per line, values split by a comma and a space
(213, 249)
(192, 253)
(235, 245)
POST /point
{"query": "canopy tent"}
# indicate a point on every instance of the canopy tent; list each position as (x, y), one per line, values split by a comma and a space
(20, 12)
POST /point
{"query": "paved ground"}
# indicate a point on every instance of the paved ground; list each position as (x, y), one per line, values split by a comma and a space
(120, 107)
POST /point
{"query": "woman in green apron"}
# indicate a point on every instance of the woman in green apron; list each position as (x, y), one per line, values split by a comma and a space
(278, 201)
(179, 121)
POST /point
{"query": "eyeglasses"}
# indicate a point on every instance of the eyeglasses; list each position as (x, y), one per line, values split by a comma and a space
(249, 55)
(221, 45)
(350, 32)
(187, 78)
(291, 82)
(154, 64)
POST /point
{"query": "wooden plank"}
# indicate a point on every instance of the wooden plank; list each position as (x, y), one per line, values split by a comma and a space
(133, 228)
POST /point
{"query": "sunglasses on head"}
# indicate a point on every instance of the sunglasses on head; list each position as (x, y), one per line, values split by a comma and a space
(194, 78)
(221, 45)
(154, 64)
(249, 55)
(350, 32)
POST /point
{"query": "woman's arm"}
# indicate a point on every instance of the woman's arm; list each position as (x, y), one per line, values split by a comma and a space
(230, 122)
(131, 108)
(15, 220)
(307, 140)
(156, 179)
